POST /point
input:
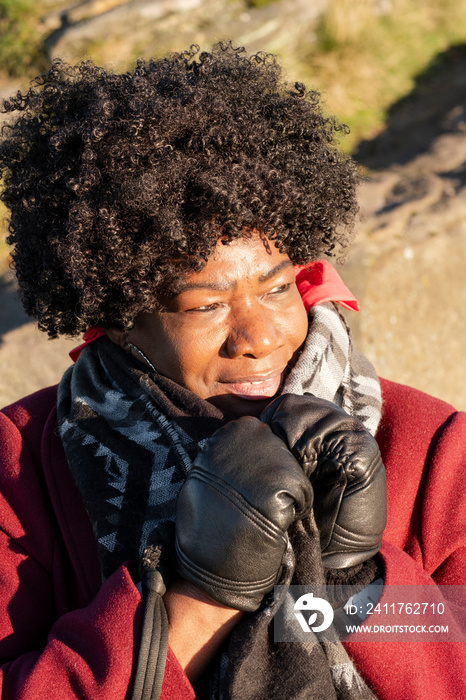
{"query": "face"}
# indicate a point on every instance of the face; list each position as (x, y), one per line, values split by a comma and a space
(233, 330)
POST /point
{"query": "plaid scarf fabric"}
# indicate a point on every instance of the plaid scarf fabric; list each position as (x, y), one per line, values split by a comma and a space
(130, 437)
(331, 368)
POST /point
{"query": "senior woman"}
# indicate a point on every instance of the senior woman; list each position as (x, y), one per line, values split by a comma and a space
(211, 428)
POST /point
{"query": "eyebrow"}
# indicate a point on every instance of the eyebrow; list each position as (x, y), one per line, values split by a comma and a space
(225, 287)
(271, 273)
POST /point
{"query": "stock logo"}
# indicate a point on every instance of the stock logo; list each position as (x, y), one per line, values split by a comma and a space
(307, 603)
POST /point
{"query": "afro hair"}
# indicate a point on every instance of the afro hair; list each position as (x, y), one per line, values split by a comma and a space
(120, 184)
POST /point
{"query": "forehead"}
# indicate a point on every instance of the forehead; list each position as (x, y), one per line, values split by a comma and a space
(246, 259)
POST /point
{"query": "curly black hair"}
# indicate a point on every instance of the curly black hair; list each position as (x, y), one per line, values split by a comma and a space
(118, 184)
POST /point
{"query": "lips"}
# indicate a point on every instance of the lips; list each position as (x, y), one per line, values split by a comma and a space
(255, 388)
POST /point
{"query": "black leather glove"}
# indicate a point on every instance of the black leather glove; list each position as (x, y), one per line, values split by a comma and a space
(233, 512)
(343, 463)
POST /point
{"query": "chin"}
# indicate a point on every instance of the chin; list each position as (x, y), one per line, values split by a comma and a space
(237, 406)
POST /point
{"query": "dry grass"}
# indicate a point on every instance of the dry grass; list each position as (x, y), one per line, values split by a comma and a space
(21, 49)
(367, 54)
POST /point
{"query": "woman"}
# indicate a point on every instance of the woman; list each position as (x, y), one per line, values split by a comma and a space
(167, 212)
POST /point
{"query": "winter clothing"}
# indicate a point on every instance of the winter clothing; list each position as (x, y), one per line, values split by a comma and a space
(113, 411)
(64, 634)
(130, 436)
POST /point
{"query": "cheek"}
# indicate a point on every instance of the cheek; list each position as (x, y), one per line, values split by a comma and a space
(155, 336)
(188, 354)
(296, 325)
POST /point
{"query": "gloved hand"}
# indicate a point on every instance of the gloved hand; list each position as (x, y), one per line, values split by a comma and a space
(343, 463)
(233, 512)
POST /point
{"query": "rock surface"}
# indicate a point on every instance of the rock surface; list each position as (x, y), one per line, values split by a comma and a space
(160, 26)
(407, 265)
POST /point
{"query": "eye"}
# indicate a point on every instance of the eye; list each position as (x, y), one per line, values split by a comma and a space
(280, 289)
(204, 309)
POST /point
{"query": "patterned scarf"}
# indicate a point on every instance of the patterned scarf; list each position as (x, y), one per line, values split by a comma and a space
(331, 368)
(130, 437)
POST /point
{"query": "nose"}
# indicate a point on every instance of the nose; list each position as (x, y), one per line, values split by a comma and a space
(252, 333)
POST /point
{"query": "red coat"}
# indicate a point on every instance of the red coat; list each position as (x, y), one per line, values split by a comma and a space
(65, 635)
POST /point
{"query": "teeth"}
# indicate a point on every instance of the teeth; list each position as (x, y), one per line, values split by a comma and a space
(259, 381)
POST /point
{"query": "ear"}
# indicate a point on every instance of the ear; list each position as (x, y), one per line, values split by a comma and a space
(118, 336)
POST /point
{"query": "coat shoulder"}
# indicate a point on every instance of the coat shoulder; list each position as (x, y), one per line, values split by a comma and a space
(34, 408)
(404, 408)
